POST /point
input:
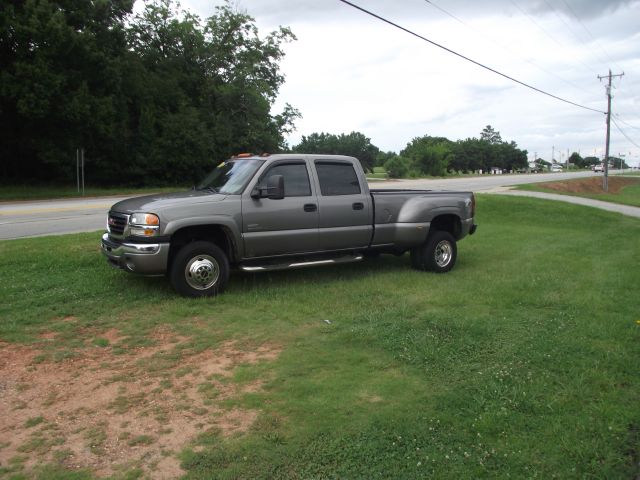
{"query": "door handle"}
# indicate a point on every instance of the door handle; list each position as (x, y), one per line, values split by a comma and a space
(358, 206)
(310, 207)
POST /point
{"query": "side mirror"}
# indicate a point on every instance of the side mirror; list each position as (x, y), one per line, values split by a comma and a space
(275, 187)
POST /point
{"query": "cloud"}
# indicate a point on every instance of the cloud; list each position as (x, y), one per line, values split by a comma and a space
(348, 71)
(582, 9)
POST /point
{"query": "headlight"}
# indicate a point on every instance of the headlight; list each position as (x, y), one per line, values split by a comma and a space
(144, 224)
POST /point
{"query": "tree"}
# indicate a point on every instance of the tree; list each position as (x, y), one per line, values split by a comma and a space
(429, 155)
(470, 155)
(588, 162)
(153, 98)
(383, 157)
(576, 160)
(475, 154)
(203, 91)
(510, 157)
(61, 64)
(397, 166)
(490, 135)
(541, 165)
(354, 144)
(618, 162)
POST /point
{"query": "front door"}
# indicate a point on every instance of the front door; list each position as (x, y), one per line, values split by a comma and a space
(279, 227)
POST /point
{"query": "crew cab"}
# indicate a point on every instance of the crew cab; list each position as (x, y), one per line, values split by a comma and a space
(260, 213)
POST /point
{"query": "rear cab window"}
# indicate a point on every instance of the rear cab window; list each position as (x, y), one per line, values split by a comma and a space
(337, 178)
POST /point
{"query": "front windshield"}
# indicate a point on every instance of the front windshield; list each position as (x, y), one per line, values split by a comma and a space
(230, 177)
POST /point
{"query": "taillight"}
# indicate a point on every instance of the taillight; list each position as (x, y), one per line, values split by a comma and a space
(473, 205)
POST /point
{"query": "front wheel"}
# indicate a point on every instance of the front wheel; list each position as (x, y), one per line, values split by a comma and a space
(200, 269)
(438, 254)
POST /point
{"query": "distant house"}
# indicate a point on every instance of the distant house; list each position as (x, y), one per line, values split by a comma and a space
(495, 171)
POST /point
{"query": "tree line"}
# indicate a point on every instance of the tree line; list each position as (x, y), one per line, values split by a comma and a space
(426, 155)
(153, 98)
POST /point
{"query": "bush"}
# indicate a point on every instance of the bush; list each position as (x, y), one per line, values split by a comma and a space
(397, 167)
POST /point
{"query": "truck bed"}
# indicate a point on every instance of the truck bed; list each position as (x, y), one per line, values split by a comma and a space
(402, 216)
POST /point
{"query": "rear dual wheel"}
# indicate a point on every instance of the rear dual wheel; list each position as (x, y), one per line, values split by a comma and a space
(437, 254)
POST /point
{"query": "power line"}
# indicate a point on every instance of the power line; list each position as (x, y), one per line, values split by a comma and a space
(622, 132)
(467, 58)
(575, 15)
(595, 42)
(532, 20)
(627, 86)
(504, 47)
(543, 30)
(559, 17)
(626, 123)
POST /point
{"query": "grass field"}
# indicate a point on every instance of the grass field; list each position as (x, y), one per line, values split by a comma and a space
(379, 173)
(624, 190)
(520, 363)
(42, 192)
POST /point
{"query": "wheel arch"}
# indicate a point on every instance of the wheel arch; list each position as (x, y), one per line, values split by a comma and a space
(214, 233)
(447, 222)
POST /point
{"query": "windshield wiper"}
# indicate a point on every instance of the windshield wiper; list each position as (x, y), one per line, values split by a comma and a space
(209, 189)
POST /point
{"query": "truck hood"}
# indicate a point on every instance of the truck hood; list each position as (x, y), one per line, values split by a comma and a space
(158, 202)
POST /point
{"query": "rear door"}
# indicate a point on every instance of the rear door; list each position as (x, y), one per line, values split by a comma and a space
(278, 227)
(345, 208)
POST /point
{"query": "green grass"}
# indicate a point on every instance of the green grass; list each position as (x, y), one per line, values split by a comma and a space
(379, 173)
(40, 192)
(32, 422)
(629, 195)
(522, 362)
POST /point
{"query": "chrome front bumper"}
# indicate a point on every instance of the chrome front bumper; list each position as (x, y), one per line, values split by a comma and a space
(143, 258)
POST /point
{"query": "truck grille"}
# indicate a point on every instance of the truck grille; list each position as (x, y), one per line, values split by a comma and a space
(117, 223)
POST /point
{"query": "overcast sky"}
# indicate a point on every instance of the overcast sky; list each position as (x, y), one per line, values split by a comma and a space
(350, 72)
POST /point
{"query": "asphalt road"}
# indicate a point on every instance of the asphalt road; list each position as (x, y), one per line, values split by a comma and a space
(55, 217)
(479, 184)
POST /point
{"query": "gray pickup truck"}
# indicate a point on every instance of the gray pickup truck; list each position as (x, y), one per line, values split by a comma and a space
(269, 212)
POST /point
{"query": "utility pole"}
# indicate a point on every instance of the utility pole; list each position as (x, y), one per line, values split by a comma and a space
(535, 162)
(605, 179)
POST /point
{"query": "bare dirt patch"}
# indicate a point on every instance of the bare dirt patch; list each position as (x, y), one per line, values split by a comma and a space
(109, 412)
(591, 185)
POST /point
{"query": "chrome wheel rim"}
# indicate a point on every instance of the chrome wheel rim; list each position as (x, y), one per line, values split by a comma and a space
(202, 272)
(443, 253)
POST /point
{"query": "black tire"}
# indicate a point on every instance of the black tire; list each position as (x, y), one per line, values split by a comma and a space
(437, 254)
(199, 269)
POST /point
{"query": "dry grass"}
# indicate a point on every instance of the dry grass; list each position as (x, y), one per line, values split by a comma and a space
(591, 185)
(110, 413)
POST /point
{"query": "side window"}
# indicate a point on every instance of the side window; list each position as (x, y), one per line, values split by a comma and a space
(337, 179)
(296, 179)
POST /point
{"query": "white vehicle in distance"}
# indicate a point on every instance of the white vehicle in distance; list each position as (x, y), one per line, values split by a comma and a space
(556, 167)
(598, 168)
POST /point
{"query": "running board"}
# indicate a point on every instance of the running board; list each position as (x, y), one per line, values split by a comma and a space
(299, 264)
